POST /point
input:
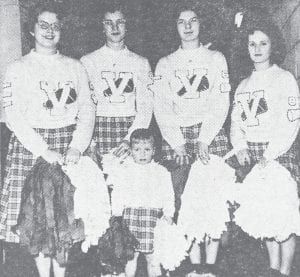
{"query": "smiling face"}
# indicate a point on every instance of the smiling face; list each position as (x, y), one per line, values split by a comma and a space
(188, 26)
(47, 31)
(114, 26)
(259, 47)
(142, 151)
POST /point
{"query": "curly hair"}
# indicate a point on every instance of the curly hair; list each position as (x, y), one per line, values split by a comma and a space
(278, 49)
(39, 8)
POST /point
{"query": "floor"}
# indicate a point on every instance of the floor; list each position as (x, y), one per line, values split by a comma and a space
(239, 256)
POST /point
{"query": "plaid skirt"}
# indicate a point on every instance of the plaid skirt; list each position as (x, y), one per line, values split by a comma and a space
(219, 146)
(19, 162)
(110, 131)
(289, 160)
(141, 223)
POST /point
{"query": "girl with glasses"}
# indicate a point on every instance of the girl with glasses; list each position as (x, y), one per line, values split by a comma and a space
(50, 112)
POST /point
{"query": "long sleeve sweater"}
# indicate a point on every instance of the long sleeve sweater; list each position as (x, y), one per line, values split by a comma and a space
(119, 79)
(147, 186)
(48, 91)
(192, 87)
(266, 109)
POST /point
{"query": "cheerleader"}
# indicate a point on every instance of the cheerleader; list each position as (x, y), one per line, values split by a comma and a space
(50, 113)
(142, 193)
(190, 105)
(265, 124)
(119, 79)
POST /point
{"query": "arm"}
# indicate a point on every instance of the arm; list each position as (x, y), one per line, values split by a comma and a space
(285, 118)
(117, 194)
(218, 103)
(86, 113)
(144, 100)
(163, 107)
(237, 134)
(167, 193)
(15, 106)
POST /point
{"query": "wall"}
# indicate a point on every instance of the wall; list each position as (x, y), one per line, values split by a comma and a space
(287, 17)
(10, 34)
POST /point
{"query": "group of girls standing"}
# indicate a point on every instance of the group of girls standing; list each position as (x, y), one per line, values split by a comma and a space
(55, 107)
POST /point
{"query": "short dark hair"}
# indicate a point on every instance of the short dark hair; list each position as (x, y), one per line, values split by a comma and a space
(39, 8)
(202, 10)
(142, 135)
(112, 6)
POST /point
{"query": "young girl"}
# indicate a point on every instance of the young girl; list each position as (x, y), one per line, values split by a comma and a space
(119, 79)
(264, 128)
(190, 106)
(50, 112)
(142, 193)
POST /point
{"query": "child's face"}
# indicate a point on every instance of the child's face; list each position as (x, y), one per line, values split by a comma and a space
(142, 151)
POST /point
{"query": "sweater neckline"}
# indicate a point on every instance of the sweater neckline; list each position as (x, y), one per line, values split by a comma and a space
(266, 72)
(44, 56)
(120, 52)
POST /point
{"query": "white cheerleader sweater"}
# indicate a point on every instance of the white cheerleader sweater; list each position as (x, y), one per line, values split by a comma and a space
(119, 79)
(147, 186)
(191, 87)
(48, 91)
(266, 109)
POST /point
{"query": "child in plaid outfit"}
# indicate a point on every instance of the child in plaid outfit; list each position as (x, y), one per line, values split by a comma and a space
(142, 193)
(119, 79)
(265, 124)
(50, 111)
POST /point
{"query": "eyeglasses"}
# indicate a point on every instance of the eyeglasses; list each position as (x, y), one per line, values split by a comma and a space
(56, 27)
(187, 22)
(109, 23)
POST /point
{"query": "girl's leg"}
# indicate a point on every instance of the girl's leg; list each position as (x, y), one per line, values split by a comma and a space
(211, 250)
(43, 265)
(195, 254)
(195, 257)
(287, 255)
(130, 268)
(153, 269)
(273, 248)
(58, 270)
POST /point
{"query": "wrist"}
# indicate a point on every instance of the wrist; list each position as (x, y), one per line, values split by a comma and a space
(126, 141)
(75, 150)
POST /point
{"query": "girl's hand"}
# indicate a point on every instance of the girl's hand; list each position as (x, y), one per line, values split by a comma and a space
(182, 157)
(52, 156)
(72, 156)
(243, 157)
(123, 150)
(168, 219)
(203, 154)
